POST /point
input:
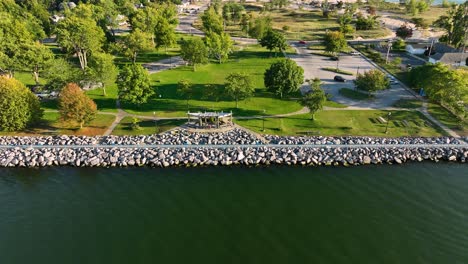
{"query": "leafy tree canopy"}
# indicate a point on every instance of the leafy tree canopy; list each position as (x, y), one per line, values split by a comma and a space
(134, 85)
(19, 106)
(284, 77)
(75, 105)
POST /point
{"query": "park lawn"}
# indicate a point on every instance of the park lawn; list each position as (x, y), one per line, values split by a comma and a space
(156, 54)
(373, 33)
(51, 125)
(408, 103)
(27, 78)
(352, 94)
(303, 24)
(105, 103)
(147, 127)
(430, 15)
(448, 119)
(251, 60)
(334, 104)
(346, 122)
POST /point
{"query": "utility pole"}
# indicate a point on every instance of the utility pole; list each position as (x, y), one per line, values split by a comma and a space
(388, 121)
(263, 119)
(430, 48)
(389, 45)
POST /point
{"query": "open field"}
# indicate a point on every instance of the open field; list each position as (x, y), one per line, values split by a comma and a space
(147, 127)
(251, 60)
(347, 122)
(51, 125)
(431, 15)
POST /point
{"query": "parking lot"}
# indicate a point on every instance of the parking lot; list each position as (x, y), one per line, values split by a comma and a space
(313, 64)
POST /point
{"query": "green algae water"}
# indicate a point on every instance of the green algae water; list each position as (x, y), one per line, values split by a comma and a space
(414, 213)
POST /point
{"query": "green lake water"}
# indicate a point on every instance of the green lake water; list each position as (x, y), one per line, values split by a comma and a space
(414, 213)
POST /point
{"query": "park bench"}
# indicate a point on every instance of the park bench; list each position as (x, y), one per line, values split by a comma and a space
(382, 120)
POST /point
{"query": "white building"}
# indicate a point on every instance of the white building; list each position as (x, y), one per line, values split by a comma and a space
(450, 58)
(416, 49)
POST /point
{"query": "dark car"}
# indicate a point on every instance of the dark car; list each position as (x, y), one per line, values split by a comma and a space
(334, 58)
(339, 79)
(302, 42)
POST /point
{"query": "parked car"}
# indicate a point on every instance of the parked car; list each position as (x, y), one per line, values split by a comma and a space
(334, 58)
(354, 53)
(302, 42)
(339, 78)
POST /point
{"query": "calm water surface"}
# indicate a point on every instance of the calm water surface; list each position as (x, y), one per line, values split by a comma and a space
(416, 213)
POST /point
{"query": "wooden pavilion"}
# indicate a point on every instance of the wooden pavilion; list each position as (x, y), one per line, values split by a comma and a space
(210, 119)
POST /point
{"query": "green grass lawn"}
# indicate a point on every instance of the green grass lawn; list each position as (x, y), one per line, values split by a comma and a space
(448, 119)
(431, 15)
(334, 104)
(372, 33)
(157, 54)
(105, 103)
(408, 103)
(352, 94)
(337, 70)
(252, 60)
(347, 122)
(51, 125)
(147, 127)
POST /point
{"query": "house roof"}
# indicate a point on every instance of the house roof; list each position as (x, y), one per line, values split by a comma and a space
(443, 48)
(419, 46)
(450, 57)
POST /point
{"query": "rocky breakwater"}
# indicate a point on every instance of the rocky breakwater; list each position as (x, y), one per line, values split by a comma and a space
(180, 148)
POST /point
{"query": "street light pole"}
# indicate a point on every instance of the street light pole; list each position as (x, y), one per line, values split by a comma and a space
(263, 119)
(388, 121)
(388, 51)
(155, 122)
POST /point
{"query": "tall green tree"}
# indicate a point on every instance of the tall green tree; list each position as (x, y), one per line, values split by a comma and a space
(134, 85)
(76, 106)
(443, 85)
(372, 81)
(103, 70)
(14, 34)
(259, 26)
(164, 34)
(345, 23)
(194, 51)
(219, 46)
(212, 21)
(59, 73)
(273, 40)
(19, 106)
(334, 42)
(136, 42)
(185, 90)
(239, 86)
(35, 58)
(455, 24)
(284, 77)
(145, 19)
(81, 37)
(232, 12)
(315, 98)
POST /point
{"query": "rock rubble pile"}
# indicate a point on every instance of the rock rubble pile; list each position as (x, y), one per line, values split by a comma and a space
(233, 147)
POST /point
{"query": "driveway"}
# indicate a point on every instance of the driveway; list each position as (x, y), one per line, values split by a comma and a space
(312, 65)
